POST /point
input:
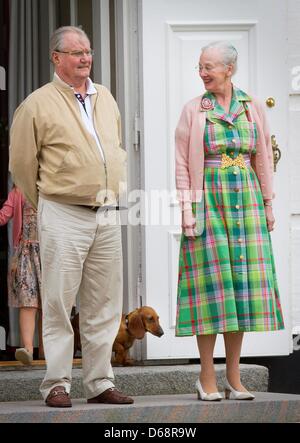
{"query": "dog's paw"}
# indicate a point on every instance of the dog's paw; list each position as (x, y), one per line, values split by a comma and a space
(129, 362)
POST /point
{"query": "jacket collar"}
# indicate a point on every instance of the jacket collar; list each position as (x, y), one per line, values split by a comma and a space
(58, 82)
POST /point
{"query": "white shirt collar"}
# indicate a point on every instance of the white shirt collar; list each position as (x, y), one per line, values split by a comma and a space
(90, 88)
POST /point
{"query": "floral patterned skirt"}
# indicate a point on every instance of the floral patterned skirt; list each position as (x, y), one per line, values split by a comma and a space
(24, 277)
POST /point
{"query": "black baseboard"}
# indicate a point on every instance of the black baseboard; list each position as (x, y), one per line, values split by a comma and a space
(284, 372)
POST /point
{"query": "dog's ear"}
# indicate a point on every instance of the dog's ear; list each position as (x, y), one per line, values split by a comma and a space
(136, 325)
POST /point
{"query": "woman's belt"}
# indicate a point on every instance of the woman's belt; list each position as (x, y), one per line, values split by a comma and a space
(225, 161)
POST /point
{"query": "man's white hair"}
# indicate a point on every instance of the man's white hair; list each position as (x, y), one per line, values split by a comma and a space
(57, 38)
(227, 50)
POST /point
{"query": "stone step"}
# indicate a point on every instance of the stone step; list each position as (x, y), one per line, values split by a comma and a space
(21, 383)
(182, 408)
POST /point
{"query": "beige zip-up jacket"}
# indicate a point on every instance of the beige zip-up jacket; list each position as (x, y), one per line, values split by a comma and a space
(52, 153)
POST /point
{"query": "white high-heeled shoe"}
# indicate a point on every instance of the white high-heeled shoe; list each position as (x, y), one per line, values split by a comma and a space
(236, 395)
(214, 396)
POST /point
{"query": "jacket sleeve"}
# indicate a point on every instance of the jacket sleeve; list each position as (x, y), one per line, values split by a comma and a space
(7, 211)
(24, 148)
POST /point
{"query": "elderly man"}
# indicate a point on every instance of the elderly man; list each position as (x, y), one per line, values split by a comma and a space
(66, 157)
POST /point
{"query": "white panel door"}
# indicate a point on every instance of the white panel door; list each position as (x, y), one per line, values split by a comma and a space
(173, 32)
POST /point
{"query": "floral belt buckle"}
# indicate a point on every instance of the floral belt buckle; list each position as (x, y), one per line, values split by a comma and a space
(228, 161)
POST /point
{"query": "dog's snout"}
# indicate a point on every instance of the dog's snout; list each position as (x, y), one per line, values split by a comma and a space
(160, 332)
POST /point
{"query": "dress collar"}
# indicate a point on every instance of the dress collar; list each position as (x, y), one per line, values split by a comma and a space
(210, 105)
(208, 100)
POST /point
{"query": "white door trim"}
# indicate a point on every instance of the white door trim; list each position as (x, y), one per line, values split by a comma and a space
(128, 96)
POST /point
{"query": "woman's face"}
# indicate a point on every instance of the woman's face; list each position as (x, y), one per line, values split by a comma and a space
(213, 71)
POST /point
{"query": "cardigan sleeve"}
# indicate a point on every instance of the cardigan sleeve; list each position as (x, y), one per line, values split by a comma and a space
(182, 140)
(262, 162)
(7, 211)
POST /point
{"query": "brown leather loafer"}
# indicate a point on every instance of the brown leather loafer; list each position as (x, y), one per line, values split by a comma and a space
(112, 396)
(58, 398)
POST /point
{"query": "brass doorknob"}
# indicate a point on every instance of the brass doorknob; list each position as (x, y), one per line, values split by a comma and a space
(276, 152)
(270, 102)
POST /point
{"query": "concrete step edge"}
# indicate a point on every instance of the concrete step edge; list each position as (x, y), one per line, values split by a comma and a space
(150, 380)
(266, 408)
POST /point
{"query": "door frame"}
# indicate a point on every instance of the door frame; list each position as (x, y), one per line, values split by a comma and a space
(128, 94)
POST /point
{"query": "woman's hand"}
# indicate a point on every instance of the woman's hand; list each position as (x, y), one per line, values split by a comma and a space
(188, 224)
(270, 217)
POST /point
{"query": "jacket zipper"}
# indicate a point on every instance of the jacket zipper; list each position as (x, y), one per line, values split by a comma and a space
(105, 166)
(103, 159)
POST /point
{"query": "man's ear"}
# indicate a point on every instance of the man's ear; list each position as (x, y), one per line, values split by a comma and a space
(55, 58)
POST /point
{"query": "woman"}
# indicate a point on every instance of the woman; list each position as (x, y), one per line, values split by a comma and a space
(24, 277)
(224, 167)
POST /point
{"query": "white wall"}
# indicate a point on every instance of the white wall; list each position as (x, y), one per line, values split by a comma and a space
(294, 141)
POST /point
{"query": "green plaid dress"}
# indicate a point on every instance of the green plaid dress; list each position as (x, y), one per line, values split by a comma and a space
(227, 279)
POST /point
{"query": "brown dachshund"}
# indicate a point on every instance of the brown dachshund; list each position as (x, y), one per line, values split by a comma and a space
(133, 326)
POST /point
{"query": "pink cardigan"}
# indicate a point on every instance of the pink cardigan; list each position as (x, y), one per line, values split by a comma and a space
(13, 208)
(189, 139)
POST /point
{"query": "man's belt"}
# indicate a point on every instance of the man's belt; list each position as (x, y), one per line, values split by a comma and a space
(100, 208)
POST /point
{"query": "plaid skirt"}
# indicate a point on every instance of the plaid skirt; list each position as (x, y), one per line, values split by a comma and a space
(227, 280)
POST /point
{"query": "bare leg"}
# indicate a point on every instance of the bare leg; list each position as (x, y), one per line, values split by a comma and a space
(206, 345)
(233, 346)
(40, 329)
(27, 327)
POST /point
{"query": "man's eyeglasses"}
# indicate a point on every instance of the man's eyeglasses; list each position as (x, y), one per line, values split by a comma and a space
(78, 54)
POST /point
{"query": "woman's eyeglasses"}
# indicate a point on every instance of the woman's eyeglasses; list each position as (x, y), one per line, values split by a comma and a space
(208, 68)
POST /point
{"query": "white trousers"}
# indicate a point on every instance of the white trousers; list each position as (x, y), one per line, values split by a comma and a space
(81, 253)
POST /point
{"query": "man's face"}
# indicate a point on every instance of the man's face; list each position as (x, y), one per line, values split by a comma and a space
(74, 69)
